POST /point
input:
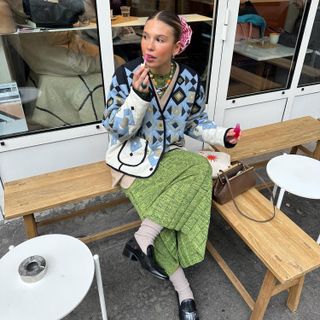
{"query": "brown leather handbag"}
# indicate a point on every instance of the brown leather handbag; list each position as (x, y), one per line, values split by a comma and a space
(240, 177)
(234, 181)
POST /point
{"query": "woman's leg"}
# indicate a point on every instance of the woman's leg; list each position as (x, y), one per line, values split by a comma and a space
(181, 285)
(187, 306)
(178, 198)
(147, 233)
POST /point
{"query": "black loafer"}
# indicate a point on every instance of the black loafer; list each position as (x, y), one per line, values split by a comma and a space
(188, 310)
(147, 261)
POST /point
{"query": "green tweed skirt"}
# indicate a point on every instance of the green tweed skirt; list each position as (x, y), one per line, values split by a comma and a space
(178, 197)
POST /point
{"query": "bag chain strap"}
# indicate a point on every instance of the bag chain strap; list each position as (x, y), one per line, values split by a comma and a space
(243, 214)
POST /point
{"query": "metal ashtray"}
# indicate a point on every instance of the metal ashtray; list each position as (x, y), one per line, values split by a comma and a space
(32, 269)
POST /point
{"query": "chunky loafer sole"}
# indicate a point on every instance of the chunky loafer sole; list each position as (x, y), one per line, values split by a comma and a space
(127, 253)
(188, 310)
(147, 261)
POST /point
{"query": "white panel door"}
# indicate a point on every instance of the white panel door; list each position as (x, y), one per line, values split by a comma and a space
(256, 82)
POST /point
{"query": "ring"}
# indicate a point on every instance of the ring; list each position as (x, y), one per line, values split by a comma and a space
(143, 86)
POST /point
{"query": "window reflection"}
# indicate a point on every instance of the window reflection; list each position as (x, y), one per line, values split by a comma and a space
(127, 31)
(266, 45)
(66, 70)
(54, 63)
(310, 73)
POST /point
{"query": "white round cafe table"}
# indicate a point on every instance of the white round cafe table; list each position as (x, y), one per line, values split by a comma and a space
(297, 174)
(69, 276)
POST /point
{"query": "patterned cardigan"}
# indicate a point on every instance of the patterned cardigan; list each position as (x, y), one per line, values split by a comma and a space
(142, 130)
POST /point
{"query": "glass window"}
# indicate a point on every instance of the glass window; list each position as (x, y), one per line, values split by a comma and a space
(50, 74)
(127, 31)
(266, 45)
(310, 73)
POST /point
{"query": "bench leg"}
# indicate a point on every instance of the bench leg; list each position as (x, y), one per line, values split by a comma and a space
(294, 295)
(264, 296)
(30, 226)
(294, 150)
(316, 153)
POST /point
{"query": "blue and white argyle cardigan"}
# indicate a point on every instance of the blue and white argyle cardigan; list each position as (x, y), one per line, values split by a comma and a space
(140, 131)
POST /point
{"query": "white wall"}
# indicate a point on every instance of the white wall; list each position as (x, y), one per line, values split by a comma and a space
(306, 105)
(253, 115)
(23, 162)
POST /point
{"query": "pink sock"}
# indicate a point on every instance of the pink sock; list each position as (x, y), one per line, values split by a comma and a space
(146, 234)
(181, 285)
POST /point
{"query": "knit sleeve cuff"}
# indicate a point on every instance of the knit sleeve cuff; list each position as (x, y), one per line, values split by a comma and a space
(144, 96)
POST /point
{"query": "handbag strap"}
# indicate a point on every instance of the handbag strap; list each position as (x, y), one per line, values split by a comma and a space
(241, 212)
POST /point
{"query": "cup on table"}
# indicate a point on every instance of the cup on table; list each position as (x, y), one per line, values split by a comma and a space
(274, 37)
(125, 11)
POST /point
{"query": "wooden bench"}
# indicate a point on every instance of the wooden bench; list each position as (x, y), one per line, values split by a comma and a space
(275, 137)
(287, 252)
(26, 197)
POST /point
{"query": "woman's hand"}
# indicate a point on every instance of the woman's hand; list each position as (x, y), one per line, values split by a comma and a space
(231, 136)
(140, 80)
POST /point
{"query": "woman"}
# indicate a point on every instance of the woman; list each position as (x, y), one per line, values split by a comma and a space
(152, 103)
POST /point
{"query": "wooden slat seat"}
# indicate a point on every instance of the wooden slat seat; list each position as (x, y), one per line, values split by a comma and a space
(287, 251)
(277, 137)
(41, 192)
(25, 197)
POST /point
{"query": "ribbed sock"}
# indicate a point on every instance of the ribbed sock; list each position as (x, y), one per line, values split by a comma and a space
(181, 285)
(146, 234)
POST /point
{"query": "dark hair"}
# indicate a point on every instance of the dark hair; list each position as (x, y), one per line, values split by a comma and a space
(169, 18)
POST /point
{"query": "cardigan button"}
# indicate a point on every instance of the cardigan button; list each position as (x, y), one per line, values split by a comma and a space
(132, 108)
(131, 154)
(151, 169)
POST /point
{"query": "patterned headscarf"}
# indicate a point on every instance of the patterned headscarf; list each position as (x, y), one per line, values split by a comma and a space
(186, 33)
